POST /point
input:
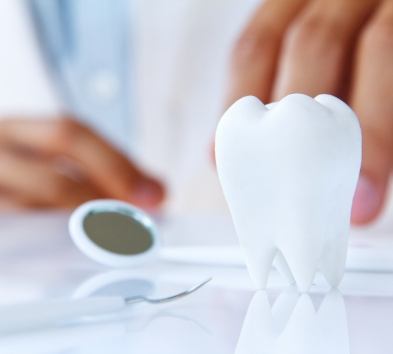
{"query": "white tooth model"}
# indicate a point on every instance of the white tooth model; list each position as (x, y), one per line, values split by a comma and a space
(289, 172)
(294, 325)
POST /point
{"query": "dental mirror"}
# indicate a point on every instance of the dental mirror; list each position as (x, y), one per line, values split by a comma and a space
(114, 233)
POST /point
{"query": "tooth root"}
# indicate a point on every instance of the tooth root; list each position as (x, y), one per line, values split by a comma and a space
(303, 259)
(282, 267)
(333, 259)
(334, 254)
(259, 265)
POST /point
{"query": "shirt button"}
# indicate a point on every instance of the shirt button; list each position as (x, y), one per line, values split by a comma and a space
(103, 86)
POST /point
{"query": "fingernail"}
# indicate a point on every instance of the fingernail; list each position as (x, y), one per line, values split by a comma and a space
(147, 193)
(367, 201)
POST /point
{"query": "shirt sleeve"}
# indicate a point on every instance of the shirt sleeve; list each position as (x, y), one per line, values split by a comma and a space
(87, 48)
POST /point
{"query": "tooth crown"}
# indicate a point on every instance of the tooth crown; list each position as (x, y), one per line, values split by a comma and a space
(289, 171)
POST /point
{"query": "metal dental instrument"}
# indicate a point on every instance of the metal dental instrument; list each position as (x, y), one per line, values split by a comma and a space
(56, 312)
(136, 299)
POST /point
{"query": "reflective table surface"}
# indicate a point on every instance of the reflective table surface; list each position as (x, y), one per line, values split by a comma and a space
(39, 263)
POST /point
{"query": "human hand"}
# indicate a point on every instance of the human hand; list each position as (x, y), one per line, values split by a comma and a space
(341, 47)
(61, 163)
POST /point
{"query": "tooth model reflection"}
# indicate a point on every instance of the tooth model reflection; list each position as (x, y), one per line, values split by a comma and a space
(294, 325)
(289, 171)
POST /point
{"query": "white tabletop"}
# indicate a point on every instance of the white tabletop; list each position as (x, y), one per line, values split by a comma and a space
(38, 262)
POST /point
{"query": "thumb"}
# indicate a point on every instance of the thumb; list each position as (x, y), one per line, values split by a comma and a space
(372, 101)
(374, 177)
(146, 191)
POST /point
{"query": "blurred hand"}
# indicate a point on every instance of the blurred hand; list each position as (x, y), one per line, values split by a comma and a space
(341, 47)
(61, 163)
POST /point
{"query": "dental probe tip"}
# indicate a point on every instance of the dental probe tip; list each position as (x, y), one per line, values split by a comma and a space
(135, 299)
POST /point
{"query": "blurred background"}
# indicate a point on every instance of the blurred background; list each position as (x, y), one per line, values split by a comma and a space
(179, 52)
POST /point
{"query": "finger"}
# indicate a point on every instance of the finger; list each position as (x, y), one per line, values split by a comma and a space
(34, 182)
(317, 46)
(372, 99)
(256, 51)
(12, 203)
(111, 171)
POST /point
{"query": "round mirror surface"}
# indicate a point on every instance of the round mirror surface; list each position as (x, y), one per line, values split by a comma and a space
(118, 232)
